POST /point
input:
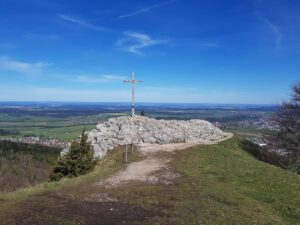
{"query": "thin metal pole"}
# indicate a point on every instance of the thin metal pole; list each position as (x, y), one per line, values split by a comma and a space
(132, 90)
(126, 153)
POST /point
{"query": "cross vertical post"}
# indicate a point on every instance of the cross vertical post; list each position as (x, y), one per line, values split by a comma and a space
(132, 81)
(132, 93)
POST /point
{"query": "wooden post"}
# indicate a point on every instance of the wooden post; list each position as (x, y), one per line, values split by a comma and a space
(12, 155)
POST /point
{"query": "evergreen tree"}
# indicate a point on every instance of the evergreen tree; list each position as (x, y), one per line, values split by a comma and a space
(78, 161)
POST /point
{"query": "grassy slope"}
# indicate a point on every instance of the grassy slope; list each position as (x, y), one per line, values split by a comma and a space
(25, 166)
(220, 184)
(27, 202)
(238, 189)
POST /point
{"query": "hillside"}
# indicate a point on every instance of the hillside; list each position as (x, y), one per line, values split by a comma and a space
(23, 165)
(214, 184)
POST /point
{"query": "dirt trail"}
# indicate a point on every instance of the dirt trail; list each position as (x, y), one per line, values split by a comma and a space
(155, 167)
(92, 204)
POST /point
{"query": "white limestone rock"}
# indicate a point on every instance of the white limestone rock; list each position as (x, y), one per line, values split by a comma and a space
(126, 130)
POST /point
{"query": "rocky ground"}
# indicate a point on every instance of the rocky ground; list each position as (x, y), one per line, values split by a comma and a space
(139, 129)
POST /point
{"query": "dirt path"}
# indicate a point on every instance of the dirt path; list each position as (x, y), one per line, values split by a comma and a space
(93, 203)
(155, 167)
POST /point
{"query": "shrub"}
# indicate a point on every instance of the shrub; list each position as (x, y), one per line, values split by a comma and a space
(268, 155)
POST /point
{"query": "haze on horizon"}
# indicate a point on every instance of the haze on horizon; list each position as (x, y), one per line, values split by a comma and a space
(186, 51)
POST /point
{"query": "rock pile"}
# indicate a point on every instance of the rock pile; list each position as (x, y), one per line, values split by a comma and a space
(139, 129)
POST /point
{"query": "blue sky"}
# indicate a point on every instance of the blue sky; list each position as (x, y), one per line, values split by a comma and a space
(190, 51)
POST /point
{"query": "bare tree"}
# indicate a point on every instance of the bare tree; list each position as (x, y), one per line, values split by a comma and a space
(287, 136)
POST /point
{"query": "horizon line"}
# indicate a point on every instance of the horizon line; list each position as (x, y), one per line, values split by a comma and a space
(123, 102)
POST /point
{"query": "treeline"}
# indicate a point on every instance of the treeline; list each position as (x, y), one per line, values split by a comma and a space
(8, 132)
(39, 152)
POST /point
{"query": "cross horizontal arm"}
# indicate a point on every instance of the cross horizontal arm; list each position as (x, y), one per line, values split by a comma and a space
(132, 81)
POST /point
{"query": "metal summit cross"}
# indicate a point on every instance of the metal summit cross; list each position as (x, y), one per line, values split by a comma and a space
(132, 81)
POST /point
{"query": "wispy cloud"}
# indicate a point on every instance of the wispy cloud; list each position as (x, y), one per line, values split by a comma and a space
(40, 93)
(106, 78)
(81, 22)
(276, 31)
(21, 66)
(146, 9)
(133, 42)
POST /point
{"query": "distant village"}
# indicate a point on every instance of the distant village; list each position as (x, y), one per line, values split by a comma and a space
(260, 124)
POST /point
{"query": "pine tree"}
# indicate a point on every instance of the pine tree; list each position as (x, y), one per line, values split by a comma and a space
(78, 161)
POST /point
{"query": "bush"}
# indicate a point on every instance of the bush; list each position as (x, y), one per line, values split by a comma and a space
(261, 153)
(78, 161)
(268, 155)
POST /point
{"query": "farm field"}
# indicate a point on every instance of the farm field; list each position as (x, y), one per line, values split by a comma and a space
(65, 121)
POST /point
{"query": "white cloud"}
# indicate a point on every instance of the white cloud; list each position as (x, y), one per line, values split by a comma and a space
(21, 66)
(146, 9)
(277, 33)
(107, 78)
(133, 42)
(34, 93)
(80, 22)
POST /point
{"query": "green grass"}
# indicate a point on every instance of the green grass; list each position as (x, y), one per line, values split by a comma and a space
(240, 189)
(247, 132)
(219, 184)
